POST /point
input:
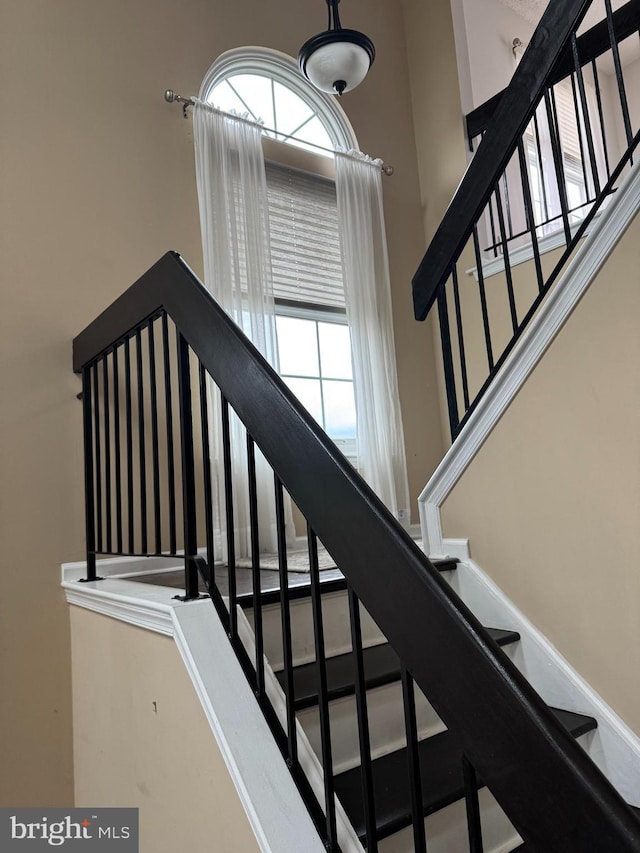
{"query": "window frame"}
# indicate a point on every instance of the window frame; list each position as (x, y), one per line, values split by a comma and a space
(282, 69)
(266, 62)
(320, 314)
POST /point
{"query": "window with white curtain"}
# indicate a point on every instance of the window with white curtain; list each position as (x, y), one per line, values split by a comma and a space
(573, 148)
(314, 348)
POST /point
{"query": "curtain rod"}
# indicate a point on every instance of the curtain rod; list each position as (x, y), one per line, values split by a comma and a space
(171, 97)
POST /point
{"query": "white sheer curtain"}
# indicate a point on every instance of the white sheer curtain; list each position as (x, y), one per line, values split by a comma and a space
(381, 453)
(234, 222)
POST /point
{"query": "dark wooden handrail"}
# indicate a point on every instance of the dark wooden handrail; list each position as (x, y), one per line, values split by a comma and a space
(510, 119)
(591, 45)
(555, 796)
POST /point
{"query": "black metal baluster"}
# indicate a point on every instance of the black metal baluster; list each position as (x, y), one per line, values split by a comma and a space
(231, 540)
(323, 696)
(585, 116)
(206, 468)
(98, 470)
(473, 806)
(188, 472)
(507, 203)
(107, 453)
(285, 614)
(129, 444)
(366, 769)
(583, 162)
(617, 64)
(505, 257)
(447, 355)
(171, 471)
(255, 566)
(157, 521)
(603, 133)
(141, 445)
(543, 185)
(549, 102)
(494, 238)
(483, 298)
(413, 759)
(461, 350)
(118, 459)
(90, 518)
(528, 206)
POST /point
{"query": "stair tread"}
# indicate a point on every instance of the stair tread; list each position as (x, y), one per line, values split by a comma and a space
(381, 664)
(442, 783)
(332, 580)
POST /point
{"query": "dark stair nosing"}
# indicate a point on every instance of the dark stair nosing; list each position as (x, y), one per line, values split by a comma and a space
(442, 783)
(381, 664)
(272, 596)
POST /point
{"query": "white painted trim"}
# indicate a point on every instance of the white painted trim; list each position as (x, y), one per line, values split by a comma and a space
(273, 805)
(538, 336)
(524, 253)
(148, 608)
(613, 747)
(278, 817)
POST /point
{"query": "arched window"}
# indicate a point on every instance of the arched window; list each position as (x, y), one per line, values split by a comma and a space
(302, 127)
(267, 85)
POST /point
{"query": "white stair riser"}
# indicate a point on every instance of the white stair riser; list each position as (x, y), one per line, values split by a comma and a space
(446, 830)
(336, 623)
(386, 724)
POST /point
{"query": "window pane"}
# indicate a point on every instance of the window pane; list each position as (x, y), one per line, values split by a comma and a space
(314, 133)
(224, 98)
(297, 346)
(339, 409)
(335, 350)
(308, 392)
(255, 92)
(291, 111)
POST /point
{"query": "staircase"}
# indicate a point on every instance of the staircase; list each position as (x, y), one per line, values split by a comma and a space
(403, 721)
(442, 786)
(498, 729)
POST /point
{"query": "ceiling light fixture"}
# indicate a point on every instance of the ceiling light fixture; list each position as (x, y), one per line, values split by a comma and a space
(336, 60)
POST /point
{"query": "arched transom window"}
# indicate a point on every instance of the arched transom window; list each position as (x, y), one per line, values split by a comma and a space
(266, 85)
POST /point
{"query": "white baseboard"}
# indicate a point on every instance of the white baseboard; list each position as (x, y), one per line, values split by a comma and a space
(613, 747)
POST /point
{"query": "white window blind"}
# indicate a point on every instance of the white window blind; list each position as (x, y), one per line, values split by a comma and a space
(567, 120)
(305, 241)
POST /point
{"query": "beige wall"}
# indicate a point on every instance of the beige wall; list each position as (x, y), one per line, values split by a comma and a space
(440, 143)
(552, 501)
(142, 741)
(97, 183)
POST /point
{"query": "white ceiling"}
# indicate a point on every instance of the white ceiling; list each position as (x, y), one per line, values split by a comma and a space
(532, 10)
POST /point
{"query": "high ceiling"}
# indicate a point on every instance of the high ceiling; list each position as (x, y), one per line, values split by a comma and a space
(529, 9)
(532, 10)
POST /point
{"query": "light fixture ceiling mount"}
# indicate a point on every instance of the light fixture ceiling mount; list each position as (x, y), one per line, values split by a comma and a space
(336, 60)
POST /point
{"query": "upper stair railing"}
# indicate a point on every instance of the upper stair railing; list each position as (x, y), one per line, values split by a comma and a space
(553, 148)
(158, 367)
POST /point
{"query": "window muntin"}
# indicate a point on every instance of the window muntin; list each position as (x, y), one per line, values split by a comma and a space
(315, 361)
(286, 116)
